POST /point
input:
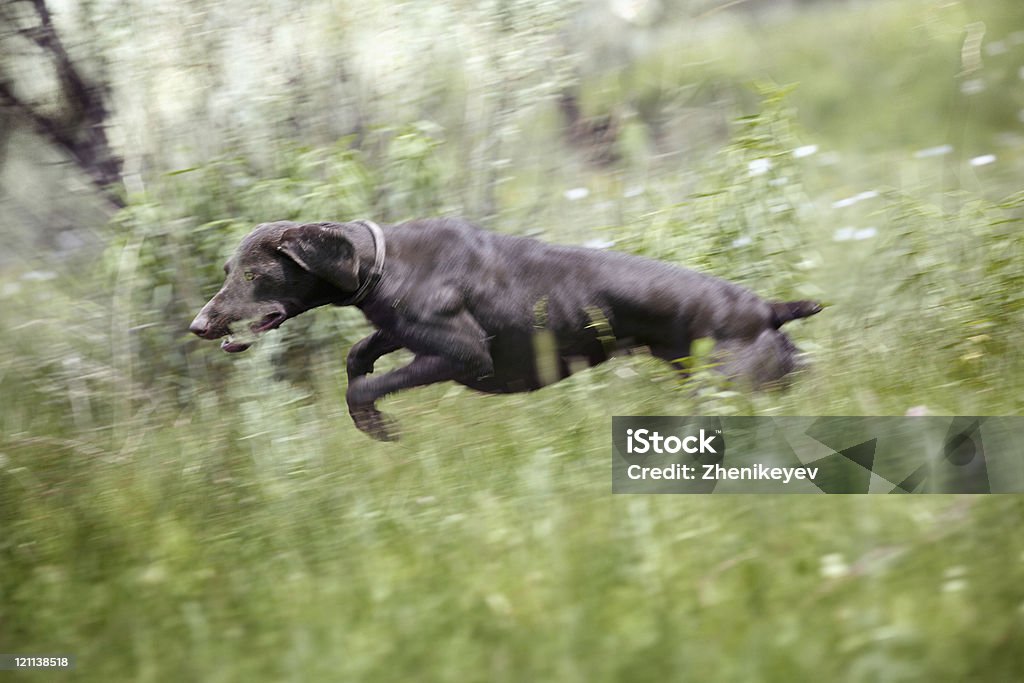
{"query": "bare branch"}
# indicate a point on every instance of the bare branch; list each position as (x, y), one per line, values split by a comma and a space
(80, 130)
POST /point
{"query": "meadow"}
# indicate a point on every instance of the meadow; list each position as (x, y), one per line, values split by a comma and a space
(169, 512)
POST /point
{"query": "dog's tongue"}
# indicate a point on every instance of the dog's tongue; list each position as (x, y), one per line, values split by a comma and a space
(232, 346)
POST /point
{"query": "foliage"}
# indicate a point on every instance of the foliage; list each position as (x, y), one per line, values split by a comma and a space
(172, 512)
(171, 509)
(860, 67)
(749, 217)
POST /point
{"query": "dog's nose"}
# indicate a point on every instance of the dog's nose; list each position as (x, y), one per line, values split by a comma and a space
(200, 325)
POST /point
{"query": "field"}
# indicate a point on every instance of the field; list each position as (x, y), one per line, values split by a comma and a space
(172, 513)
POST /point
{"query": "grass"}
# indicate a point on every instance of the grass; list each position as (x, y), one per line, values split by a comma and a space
(293, 549)
(171, 513)
(253, 534)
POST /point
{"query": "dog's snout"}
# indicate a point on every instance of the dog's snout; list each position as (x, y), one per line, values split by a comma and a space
(200, 326)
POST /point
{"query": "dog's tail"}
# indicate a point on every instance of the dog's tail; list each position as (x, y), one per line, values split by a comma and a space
(784, 311)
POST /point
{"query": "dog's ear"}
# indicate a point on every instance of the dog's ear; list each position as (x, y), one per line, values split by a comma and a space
(324, 251)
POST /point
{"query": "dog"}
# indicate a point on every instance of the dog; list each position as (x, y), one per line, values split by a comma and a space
(496, 313)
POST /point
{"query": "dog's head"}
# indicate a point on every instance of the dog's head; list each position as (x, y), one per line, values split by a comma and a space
(278, 271)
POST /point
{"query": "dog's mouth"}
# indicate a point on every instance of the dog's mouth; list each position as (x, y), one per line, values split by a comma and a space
(270, 321)
(231, 346)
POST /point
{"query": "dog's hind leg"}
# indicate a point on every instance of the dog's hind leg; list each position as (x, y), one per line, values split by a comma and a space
(676, 356)
(759, 362)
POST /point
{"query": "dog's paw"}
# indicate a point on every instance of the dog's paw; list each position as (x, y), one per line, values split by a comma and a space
(356, 368)
(374, 423)
(361, 394)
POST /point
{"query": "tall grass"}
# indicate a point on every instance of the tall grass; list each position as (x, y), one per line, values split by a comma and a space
(172, 513)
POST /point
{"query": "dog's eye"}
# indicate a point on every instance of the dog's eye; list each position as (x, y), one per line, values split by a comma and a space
(249, 275)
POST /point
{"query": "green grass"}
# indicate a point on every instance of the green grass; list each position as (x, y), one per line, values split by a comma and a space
(168, 512)
(875, 76)
(486, 547)
(251, 533)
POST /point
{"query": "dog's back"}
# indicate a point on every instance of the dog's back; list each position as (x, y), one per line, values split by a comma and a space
(596, 302)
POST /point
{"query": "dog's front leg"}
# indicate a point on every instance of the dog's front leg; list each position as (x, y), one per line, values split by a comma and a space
(449, 345)
(363, 391)
(365, 352)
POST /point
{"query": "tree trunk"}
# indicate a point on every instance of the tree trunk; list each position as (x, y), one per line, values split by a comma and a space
(80, 129)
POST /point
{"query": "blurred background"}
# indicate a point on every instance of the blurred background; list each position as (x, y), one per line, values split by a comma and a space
(170, 512)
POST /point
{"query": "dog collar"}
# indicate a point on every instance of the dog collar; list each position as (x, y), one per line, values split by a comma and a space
(378, 263)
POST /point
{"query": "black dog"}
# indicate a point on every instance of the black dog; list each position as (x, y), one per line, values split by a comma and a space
(496, 313)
